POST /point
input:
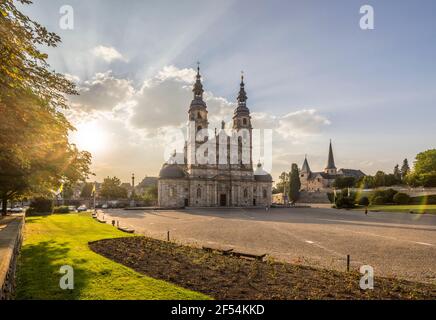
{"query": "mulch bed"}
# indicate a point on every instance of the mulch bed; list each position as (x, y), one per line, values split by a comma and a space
(226, 277)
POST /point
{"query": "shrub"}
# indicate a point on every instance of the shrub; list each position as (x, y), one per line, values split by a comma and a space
(386, 195)
(378, 200)
(331, 196)
(401, 198)
(345, 201)
(389, 195)
(431, 199)
(40, 205)
(61, 209)
(364, 201)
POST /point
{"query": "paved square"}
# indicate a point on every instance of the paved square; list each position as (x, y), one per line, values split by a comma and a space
(394, 244)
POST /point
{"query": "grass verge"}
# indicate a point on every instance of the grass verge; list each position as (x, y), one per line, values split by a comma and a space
(417, 209)
(62, 239)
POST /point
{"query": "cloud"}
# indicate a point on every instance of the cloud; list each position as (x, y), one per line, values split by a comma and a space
(108, 54)
(297, 124)
(301, 123)
(102, 92)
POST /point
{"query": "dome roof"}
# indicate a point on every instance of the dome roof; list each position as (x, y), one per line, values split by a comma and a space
(171, 171)
(261, 175)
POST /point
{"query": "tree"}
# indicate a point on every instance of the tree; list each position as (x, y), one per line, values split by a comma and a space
(150, 195)
(379, 179)
(283, 181)
(344, 182)
(294, 183)
(397, 173)
(367, 182)
(425, 162)
(405, 169)
(424, 173)
(24, 67)
(86, 191)
(36, 156)
(111, 189)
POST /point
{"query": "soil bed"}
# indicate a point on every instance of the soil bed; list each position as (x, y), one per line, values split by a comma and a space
(226, 277)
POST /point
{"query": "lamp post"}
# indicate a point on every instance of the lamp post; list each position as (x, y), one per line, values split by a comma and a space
(132, 194)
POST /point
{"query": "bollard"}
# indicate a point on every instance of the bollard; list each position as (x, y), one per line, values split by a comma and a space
(168, 236)
(348, 263)
(118, 223)
(113, 223)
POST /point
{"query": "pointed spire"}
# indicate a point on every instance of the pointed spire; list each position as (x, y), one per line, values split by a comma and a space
(242, 109)
(198, 86)
(305, 167)
(331, 160)
(242, 97)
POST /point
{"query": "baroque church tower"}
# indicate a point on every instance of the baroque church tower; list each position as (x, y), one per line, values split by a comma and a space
(242, 127)
(197, 119)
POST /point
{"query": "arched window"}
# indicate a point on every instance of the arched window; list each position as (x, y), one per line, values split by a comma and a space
(245, 193)
(244, 121)
(172, 191)
(199, 115)
(198, 128)
(265, 194)
(199, 193)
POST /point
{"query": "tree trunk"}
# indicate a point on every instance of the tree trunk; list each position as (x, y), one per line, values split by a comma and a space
(4, 205)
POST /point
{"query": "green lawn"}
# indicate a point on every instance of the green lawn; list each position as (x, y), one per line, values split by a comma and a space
(62, 239)
(429, 208)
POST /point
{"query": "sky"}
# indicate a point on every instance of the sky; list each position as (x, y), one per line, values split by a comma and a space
(311, 73)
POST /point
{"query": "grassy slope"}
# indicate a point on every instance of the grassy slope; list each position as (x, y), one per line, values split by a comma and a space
(429, 208)
(57, 240)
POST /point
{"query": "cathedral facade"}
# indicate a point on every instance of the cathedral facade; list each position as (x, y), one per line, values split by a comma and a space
(323, 181)
(229, 179)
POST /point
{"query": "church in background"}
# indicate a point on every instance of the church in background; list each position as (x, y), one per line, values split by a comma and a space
(323, 181)
(215, 185)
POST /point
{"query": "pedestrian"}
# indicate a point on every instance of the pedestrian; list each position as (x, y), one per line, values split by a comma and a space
(366, 211)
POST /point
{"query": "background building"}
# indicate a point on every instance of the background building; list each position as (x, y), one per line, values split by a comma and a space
(323, 181)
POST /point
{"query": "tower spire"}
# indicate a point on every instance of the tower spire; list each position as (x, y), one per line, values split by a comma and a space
(198, 86)
(331, 161)
(242, 96)
(305, 168)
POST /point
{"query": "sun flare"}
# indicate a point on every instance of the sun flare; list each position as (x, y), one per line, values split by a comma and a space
(90, 136)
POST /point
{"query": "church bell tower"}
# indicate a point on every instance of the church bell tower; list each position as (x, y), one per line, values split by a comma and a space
(197, 119)
(242, 126)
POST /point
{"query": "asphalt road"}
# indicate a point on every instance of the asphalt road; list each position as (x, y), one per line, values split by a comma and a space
(394, 244)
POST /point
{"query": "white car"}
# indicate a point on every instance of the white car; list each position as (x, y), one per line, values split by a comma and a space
(16, 210)
(82, 208)
(105, 206)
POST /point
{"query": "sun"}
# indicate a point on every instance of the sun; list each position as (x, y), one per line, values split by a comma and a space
(90, 136)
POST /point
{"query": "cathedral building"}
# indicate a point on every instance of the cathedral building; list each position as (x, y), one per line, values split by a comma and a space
(229, 183)
(323, 181)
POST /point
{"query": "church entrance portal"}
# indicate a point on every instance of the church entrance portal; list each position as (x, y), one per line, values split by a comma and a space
(223, 200)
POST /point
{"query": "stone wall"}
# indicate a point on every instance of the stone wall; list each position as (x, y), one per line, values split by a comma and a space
(313, 197)
(11, 237)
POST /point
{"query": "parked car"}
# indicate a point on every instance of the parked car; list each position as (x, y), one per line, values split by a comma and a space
(105, 206)
(16, 210)
(72, 208)
(82, 208)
